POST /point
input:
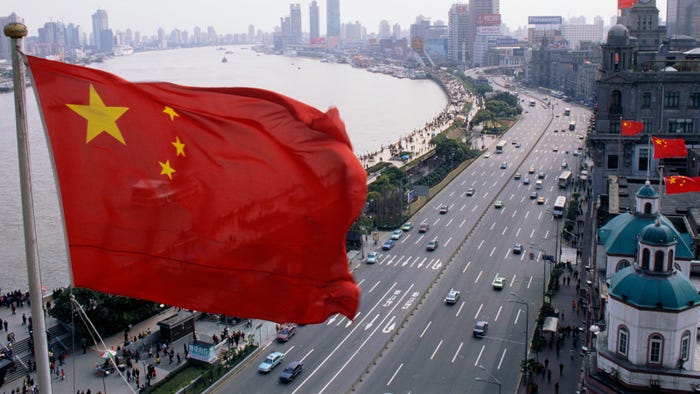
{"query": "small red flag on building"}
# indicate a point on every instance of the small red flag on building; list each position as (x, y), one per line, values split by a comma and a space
(631, 127)
(676, 184)
(234, 201)
(664, 148)
(621, 4)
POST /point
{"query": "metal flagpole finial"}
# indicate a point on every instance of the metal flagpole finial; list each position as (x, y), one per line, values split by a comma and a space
(15, 30)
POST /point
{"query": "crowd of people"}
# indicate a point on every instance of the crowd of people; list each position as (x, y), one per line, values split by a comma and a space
(418, 140)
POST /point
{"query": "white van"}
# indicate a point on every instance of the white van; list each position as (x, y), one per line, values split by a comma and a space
(538, 184)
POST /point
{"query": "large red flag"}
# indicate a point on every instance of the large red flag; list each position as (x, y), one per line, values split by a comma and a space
(625, 4)
(664, 148)
(225, 200)
(682, 184)
(631, 127)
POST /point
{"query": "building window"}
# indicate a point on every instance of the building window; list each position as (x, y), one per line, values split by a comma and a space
(622, 264)
(655, 349)
(685, 346)
(646, 100)
(643, 163)
(648, 124)
(645, 258)
(659, 261)
(671, 99)
(694, 100)
(670, 260)
(622, 340)
(681, 126)
(612, 161)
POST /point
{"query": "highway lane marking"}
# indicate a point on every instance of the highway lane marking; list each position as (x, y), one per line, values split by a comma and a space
(479, 356)
(437, 265)
(452, 194)
(480, 243)
(498, 313)
(529, 282)
(466, 266)
(448, 241)
(341, 321)
(463, 206)
(289, 350)
(406, 238)
(517, 233)
(436, 349)
(503, 356)
(385, 258)
(546, 235)
(478, 311)
(423, 261)
(337, 347)
(457, 352)
(394, 375)
(532, 233)
(478, 276)
(495, 183)
(399, 260)
(306, 355)
(517, 316)
(415, 261)
(485, 195)
(360, 282)
(512, 281)
(389, 327)
(475, 207)
(436, 222)
(392, 260)
(492, 251)
(527, 214)
(449, 222)
(514, 212)
(492, 226)
(507, 253)
(463, 222)
(504, 230)
(375, 285)
(460, 309)
(419, 239)
(425, 329)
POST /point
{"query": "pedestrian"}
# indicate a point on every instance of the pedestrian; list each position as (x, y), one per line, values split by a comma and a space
(549, 375)
(178, 359)
(556, 387)
(561, 369)
(562, 315)
(63, 374)
(5, 324)
(546, 362)
(24, 319)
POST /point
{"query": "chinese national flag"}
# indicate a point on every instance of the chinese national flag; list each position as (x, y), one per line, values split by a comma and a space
(674, 147)
(631, 127)
(625, 4)
(682, 184)
(226, 200)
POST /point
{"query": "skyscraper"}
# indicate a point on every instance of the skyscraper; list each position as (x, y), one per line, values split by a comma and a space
(295, 19)
(314, 32)
(476, 9)
(683, 17)
(100, 24)
(458, 28)
(333, 18)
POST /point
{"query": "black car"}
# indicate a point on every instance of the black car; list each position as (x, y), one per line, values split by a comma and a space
(293, 369)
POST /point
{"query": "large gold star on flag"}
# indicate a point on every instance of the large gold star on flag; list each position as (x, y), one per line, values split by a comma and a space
(100, 117)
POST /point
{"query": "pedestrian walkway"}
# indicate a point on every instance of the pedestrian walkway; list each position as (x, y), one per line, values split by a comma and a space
(79, 368)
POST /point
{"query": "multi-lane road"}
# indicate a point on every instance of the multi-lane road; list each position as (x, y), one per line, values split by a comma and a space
(405, 338)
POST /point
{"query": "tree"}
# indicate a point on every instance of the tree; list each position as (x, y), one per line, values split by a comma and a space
(483, 115)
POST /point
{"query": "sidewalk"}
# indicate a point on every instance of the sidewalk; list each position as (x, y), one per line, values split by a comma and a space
(79, 368)
(564, 358)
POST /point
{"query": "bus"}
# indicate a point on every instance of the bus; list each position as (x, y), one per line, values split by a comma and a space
(564, 179)
(533, 103)
(559, 207)
(572, 125)
(501, 146)
(567, 111)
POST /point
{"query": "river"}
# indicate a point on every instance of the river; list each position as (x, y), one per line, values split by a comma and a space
(377, 110)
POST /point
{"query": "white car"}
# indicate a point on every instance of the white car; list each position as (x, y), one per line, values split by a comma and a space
(372, 257)
(452, 297)
(499, 282)
(271, 361)
(396, 234)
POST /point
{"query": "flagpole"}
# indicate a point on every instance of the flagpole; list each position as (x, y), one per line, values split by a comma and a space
(16, 31)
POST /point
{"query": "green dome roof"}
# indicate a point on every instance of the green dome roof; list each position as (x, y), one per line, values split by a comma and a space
(674, 292)
(658, 235)
(619, 235)
(647, 191)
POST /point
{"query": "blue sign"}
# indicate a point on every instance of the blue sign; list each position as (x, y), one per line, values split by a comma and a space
(544, 20)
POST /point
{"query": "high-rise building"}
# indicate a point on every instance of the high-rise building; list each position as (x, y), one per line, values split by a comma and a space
(314, 32)
(100, 34)
(478, 9)
(458, 52)
(683, 17)
(384, 29)
(295, 23)
(5, 44)
(332, 18)
(251, 34)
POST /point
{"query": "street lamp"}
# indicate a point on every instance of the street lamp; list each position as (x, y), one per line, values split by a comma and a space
(492, 381)
(527, 334)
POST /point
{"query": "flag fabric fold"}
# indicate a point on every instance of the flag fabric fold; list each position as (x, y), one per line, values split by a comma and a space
(665, 148)
(234, 201)
(676, 184)
(622, 4)
(631, 127)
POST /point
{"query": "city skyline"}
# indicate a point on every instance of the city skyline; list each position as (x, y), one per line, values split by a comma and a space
(266, 14)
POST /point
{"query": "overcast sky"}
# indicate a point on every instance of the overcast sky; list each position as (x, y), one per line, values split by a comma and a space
(234, 16)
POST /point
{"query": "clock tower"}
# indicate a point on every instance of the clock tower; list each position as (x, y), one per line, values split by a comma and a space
(642, 20)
